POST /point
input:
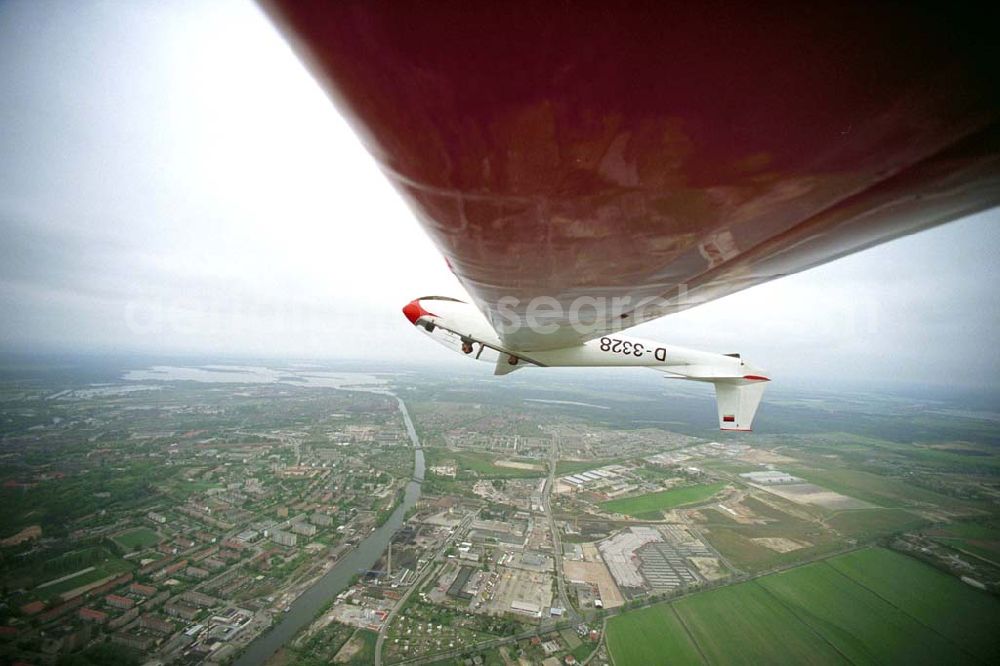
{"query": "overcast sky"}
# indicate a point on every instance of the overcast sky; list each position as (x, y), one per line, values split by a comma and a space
(173, 181)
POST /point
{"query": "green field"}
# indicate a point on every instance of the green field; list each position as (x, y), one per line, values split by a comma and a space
(630, 637)
(105, 569)
(37, 578)
(582, 651)
(880, 490)
(870, 606)
(982, 540)
(472, 464)
(193, 487)
(932, 597)
(366, 655)
(737, 545)
(963, 457)
(866, 523)
(859, 624)
(667, 499)
(139, 537)
(744, 624)
(735, 541)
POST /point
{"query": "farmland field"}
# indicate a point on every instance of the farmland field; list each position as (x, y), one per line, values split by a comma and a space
(879, 490)
(866, 523)
(744, 624)
(737, 544)
(982, 540)
(666, 499)
(964, 615)
(859, 624)
(870, 606)
(737, 541)
(140, 537)
(738, 549)
(648, 635)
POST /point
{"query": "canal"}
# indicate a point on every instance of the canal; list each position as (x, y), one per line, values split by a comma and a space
(304, 609)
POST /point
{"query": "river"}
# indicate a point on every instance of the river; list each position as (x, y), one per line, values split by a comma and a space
(304, 609)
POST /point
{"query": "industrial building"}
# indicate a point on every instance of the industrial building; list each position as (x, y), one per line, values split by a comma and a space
(645, 559)
(770, 477)
(526, 607)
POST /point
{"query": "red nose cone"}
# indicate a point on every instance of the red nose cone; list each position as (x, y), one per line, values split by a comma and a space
(413, 311)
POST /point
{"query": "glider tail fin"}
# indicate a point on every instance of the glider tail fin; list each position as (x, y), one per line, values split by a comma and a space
(737, 401)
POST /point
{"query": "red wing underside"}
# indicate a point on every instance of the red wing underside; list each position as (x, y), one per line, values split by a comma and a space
(670, 151)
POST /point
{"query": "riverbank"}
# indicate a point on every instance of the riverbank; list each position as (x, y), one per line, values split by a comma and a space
(314, 600)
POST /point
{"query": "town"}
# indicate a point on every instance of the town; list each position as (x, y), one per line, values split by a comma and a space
(192, 514)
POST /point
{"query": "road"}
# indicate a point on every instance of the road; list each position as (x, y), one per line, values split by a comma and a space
(570, 614)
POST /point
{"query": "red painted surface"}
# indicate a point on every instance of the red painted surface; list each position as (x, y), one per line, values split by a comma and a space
(677, 151)
(756, 378)
(414, 311)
